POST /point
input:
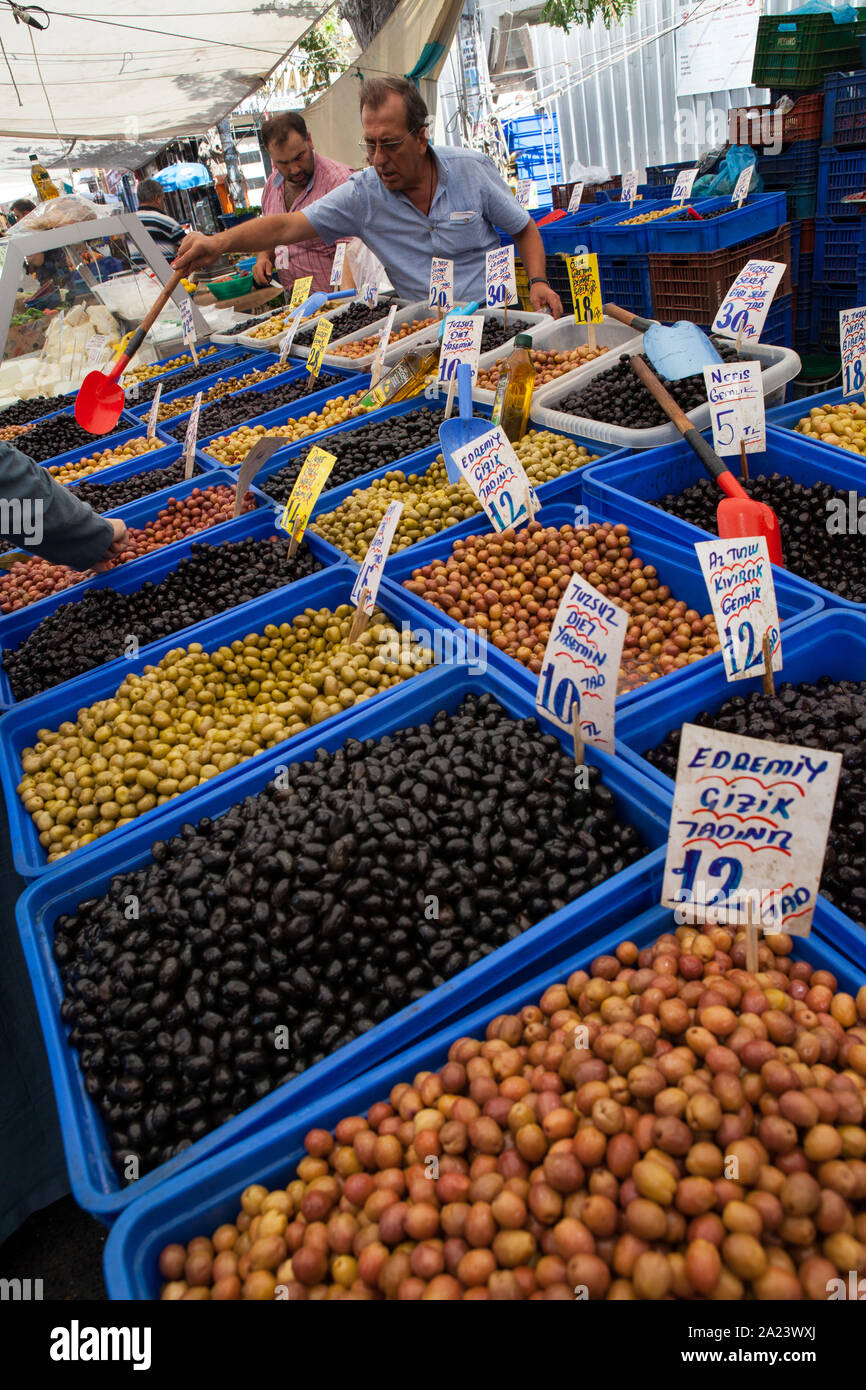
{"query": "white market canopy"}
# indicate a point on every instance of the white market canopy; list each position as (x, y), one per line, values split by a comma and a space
(120, 82)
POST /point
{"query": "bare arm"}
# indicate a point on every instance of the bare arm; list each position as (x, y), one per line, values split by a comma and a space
(530, 249)
(259, 234)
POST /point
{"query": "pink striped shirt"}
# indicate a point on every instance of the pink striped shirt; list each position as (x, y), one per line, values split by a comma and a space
(307, 257)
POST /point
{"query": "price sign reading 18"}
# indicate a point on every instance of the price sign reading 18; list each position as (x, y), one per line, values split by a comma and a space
(852, 336)
(499, 277)
(748, 830)
(585, 288)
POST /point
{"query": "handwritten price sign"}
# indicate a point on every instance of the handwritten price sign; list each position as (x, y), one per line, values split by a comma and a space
(370, 573)
(321, 338)
(441, 284)
(498, 479)
(744, 309)
(499, 277)
(370, 294)
(154, 412)
(581, 663)
(461, 342)
(852, 339)
(308, 484)
(191, 436)
(741, 187)
(683, 185)
(187, 326)
(629, 187)
(527, 193)
(736, 396)
(749, 829)
(739, 580)
(585, 288)
(339, 261)
(301, 291)
(575, 199)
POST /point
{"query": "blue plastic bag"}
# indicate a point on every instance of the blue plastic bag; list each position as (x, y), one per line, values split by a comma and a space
(737, 158)
(842, 14)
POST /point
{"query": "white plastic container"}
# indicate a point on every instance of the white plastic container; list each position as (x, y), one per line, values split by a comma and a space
(272, 344)
(781, 366)
(559, 335)
(417, 310)
(301, 349)
(231, 338)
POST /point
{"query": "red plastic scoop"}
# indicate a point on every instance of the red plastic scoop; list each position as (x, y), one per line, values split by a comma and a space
(100, 398)
(738, 514)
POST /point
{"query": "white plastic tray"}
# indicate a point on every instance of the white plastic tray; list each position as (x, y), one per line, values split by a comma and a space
(782, 365)
(270, 344)
(230, 338)
(558, 335)
(301, 349)
(420, 309)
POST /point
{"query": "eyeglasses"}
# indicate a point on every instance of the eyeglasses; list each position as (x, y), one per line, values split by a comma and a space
(386, 146)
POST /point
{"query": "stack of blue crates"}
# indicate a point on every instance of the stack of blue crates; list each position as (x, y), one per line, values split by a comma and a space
(840, 229)
(534, 143)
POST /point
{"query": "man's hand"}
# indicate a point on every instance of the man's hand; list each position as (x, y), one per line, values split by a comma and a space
(545, 300)
(197, 250)
(263, 269)
(118, 545)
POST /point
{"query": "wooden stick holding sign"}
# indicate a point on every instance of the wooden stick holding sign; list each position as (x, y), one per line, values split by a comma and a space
(577, 736)
(308, 484)
(382, 347)
(255, 459)
(585, 285)
(752, 930)
(154, 412)
(191, 436)
(767, 650)
(744, 462)
(366, 585)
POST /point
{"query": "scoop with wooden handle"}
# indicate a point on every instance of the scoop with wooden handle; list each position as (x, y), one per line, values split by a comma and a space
(737, 514)
(99, 402)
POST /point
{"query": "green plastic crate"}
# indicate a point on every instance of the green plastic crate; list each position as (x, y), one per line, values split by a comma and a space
(800, 50)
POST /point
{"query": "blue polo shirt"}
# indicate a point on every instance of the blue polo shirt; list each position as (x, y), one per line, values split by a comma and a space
(470, 202)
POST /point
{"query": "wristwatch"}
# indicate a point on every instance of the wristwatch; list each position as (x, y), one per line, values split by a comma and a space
(538, 280)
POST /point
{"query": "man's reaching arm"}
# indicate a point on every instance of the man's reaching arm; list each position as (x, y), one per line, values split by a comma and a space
(259, 234)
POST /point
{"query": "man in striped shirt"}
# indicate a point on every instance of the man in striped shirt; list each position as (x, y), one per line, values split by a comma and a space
(300, 177)
(167, 233)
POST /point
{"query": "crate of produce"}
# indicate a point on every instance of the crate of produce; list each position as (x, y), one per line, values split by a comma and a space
(787, 416)
(840, 251)
(795, 51)
(353, 547)
(620, 235)
(841, 174)
(139, 514)
(827, 303)
(167, 368)
(830, 644)
(625, 280)
(175, 427)
(58, 438)
(676, 564)
(844, 109)
(762, 125)
(355, 385)
(250, 362)
(726, 224)
(667, 173)
(791, 167)
(197, 1202)
(558, 336)
(636, 489)
(779, 366)
(144, 470)
(685, 286)
(565, 234)
(17, 628)
(96, 1186)
(399, 448)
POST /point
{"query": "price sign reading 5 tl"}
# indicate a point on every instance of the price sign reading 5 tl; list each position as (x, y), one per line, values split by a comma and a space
(585, 288)
(736, 397)
(852, 335)
(748, 830)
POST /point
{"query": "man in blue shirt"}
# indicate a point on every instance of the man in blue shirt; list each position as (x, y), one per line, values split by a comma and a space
(411, 204)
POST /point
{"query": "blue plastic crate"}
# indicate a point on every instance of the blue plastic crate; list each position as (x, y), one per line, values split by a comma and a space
(157, 458)
(629, 489)
(827, 303)
(225, 356)
(146, 463)
(625, 280)
(94, 1183)
(284, 457)
(307, 405)
(196, 1202)
(831, 644)
(563, 235)
(282, 412)
(802, 201)
(829, 457)
(128, 579)
(612, 238)
(761, 213)
(18, 727)
(840, 248)
(675, 561)
(839, 175)
(132, 429)
(667, 173)
(249, 362)
(796, 164)
(778, 328)
(138, 514)
(844, 109)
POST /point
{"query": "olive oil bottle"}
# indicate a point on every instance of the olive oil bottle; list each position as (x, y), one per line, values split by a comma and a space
(406, 378)
(514, 392)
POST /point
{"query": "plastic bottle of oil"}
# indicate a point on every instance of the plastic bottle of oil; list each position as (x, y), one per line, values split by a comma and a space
(406, 378)
(514, 392)
(42, 181)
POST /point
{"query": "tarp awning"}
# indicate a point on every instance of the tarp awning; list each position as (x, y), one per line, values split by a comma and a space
(123, 81)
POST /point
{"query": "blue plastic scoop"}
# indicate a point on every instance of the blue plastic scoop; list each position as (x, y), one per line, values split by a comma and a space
(678, 351)
(456, 434)
(314, 303)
